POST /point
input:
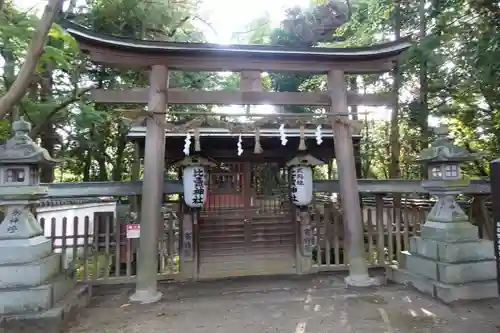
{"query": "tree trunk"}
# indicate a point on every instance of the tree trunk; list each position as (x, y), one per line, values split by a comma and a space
(100, 153)
(48, 141)
(9, 75)
(86, 166)
(33, 54)
(47, 134)
(118, 169)
(394, 139)
(423, 112)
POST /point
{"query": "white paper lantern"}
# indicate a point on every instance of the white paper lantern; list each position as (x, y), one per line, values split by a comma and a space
(301, 178)
(195, 185)
(301, 185)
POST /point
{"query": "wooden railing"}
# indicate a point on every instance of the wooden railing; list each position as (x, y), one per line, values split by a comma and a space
(102, 254)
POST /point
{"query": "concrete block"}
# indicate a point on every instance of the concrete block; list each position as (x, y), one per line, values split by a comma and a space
(29, 274)
(35, 299)
(452, 252)
(24, 250)
(445, 292)
(449, 232)
(424, 247)
(466, 272)
(403, 276)
(468, 291)
(450, 272)
(53, 320)
(423, 266)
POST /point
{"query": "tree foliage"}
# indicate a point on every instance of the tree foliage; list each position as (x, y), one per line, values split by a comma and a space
(450, 75)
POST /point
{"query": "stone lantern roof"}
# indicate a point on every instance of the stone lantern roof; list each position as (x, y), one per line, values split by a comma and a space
(444, 150)
(21, 149)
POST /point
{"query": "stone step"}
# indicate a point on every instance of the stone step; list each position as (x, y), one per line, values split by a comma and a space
(445, 292)
(31, 273)
(37, 298)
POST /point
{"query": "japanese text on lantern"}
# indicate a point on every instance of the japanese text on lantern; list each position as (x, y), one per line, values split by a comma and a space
(297, 179)
(199, 189)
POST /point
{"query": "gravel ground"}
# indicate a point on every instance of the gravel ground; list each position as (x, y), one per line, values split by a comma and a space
(312, 304)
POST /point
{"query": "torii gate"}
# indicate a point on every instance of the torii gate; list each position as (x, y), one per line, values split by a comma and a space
(251, 60)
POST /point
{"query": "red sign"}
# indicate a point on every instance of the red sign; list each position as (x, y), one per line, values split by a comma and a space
(133, 230)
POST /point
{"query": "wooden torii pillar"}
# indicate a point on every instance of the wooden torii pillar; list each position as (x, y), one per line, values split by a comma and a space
(146, 290)
(346, 165)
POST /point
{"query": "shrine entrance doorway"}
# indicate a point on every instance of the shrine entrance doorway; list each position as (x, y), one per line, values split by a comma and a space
(246, 226)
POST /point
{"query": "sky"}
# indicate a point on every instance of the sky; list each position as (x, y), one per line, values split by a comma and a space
(227, 17)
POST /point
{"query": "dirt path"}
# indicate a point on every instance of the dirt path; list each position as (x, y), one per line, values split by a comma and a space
(313, 304)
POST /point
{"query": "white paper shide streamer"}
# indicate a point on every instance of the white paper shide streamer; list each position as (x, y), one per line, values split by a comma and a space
(187, 144)
(283, 135)
(319, 139)
(239, 145)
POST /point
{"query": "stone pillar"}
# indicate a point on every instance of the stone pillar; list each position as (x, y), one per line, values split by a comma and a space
(447, 260)
(152, 189)
(349, 195)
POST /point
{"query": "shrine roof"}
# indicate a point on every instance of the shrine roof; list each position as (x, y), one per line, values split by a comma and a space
(87, 37)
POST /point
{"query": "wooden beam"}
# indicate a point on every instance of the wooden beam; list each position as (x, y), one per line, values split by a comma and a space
(175, 96)
(126, 188)
(128, 59)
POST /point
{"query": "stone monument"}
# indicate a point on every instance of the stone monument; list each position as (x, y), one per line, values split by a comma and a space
(32, 280)
(447, 260)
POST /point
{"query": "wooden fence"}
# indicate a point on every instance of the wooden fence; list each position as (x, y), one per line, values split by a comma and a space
(388, 227)
(97, 245)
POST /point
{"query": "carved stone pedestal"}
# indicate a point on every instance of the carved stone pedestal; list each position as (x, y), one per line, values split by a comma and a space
(448, 260)
(33, 287)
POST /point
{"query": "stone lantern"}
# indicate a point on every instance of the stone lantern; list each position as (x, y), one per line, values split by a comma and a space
(447, 260)
(20, 162)
(31, 276)
(443, 160)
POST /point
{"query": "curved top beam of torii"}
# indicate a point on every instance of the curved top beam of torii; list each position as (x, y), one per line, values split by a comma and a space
(121, 51)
